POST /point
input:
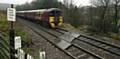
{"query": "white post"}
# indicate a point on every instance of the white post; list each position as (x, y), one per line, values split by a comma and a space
(42, 55)
(29, 57)
(21, 54)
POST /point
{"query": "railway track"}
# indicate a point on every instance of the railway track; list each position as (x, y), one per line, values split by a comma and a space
(101, 51)
(74, 51)
(110, 48)
(113, 51)
(80, 47)
(75, 55)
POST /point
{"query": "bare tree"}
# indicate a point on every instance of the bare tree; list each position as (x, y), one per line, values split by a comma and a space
(101, 7)
(116, 4)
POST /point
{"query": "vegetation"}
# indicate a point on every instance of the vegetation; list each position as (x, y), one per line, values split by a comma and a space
(3, 24)
(102, 17)
(39, 4)
(4, 27)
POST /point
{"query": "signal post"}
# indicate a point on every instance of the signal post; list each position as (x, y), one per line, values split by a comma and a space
(11, 15)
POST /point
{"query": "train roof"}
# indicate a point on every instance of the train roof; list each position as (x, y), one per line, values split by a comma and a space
(40, 10)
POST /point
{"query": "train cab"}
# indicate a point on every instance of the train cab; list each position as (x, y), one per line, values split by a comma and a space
(55, 18)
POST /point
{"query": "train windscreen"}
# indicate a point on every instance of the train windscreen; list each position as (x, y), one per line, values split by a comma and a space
(55, 13)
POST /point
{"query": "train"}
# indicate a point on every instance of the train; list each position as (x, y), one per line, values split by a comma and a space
(51, 17)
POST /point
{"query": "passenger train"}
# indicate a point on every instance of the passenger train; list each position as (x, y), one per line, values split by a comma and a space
(47, 17)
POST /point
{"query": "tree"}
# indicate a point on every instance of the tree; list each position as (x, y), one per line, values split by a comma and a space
(100, 21)
(42, 4)
(71, 13)
(116, 20)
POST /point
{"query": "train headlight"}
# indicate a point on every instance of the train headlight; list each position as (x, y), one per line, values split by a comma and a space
(51, 21)
(61, 21)
(52, 25)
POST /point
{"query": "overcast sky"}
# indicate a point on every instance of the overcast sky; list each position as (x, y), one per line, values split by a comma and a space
(76, 2)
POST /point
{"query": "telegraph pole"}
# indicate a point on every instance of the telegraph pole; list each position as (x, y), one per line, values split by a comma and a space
(11, 38)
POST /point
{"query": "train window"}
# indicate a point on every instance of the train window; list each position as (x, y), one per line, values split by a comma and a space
(55, 13)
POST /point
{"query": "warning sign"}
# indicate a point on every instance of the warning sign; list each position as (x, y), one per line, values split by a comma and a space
(17, 42)
(11, 14)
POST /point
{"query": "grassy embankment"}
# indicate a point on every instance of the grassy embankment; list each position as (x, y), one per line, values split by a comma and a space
(4, 31)
(83, 29)
(4, 27)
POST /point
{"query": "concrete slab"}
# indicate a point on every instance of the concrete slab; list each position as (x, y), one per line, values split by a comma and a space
(68, 36)
(75, 35)
(63, 44)
(66, 39)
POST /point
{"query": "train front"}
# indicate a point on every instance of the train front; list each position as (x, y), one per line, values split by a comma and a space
(55, 18)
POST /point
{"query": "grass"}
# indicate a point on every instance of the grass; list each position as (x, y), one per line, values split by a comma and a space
(115, 35)
(83, 29)
(4, 27)
(19, 31)
(4, 30)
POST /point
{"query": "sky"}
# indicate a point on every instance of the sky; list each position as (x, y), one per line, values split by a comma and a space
(76, 2)
(15, 1)
(80, 2)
